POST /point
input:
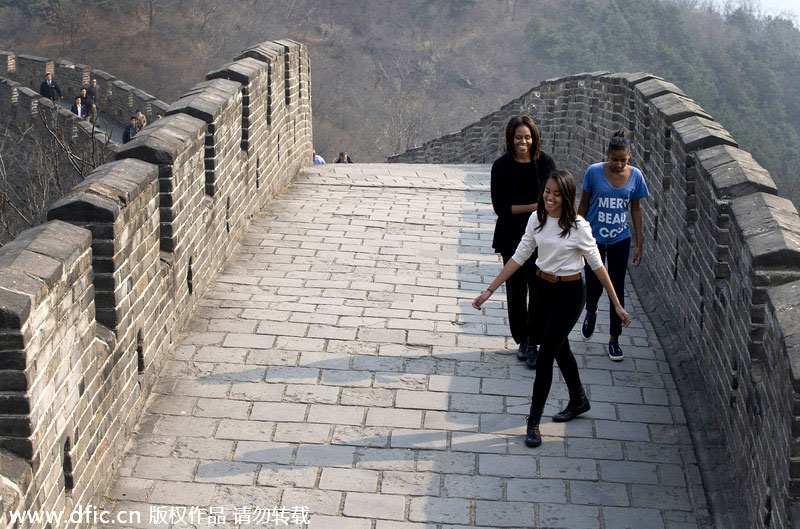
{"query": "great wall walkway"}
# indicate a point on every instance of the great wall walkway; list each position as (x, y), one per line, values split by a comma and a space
(337, 364)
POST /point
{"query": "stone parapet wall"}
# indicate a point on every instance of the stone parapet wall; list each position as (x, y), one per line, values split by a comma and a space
(720, 270)
(92, 300)
(115, 97)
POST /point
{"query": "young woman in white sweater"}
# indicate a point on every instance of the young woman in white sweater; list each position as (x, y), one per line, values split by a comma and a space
(564, 240)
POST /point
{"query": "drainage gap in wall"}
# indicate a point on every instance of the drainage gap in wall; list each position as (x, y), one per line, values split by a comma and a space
(655, 222)
(768, 506)
(189, 276)
(68, 481)
(140, 352)
(228, 215)
(734, 383)
(675, 263)
(701, 292)
(258, 170)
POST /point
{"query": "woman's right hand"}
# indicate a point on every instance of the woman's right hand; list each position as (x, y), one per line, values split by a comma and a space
(480, 300)
(623, 315)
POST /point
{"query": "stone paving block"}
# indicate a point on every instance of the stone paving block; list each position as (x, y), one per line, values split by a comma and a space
(672, 475)
(263, 452)
(568, 468)
(476, 403)
(169, 469)
(630, 518)
(504, 514)
(325, 455)
(376, 436)
(199, 448)
(421, 400)
(394, 417)
(349, 479)
(473, 487)
(248, 341)
(645, 451)
(366, 397)
(417, 438)
(400, 381)
(278, 411)
(628, 472)
(438, 420)
(317, 501)
(132, 489)
(297, 431)
(507, 466)
(330, 414)
(230, 472)
(453, 384)
(311, 394)
(377, 363)
(536, 490)
(495, 386)
(390, 524)
(320, 521)
(292, 375)
(222, 408)
(478, 442)
(629, 431)
(557, 516)
(271, 357)
(429, 509)
(598, 493)
(645, 414)
(287, 476)
(385, 459)
(374, 505)
(247, 430)
(179, 493)
(446, 462)
(651, 496)
(154, 445)
(594, 448)
(335, 377)
(411, 483)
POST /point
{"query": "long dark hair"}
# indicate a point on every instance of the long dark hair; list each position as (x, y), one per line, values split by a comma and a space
(513, 123)
(566, 184)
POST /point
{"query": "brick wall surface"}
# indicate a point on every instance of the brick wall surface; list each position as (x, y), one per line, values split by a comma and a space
(720, 270)
(90, 301)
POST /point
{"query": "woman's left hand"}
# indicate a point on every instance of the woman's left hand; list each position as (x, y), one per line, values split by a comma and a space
(637, 257)
(480, 300)
(623, 315)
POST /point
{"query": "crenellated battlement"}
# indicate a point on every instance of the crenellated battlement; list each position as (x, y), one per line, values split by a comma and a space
(91, 301)
(720, 274)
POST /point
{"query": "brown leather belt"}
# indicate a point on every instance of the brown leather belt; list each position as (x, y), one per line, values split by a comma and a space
(556, 279)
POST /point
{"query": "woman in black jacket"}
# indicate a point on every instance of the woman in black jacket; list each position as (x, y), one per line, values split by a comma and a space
(517, 177)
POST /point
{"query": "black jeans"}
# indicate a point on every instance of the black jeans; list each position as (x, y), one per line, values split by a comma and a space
(521, 298)
(616, 255)
(558, 308)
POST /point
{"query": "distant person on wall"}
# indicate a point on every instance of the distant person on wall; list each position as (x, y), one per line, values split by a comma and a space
(79, 109)
(343, 158)
(608, 189)
(91, 98)
(86, 103)
(130, 130)
(517, 177)
(564, 240)
(49, 88)
(318, 160)
(158, 116)
(141, 121)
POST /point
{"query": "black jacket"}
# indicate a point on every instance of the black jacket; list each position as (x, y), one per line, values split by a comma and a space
(515, 183)
(49, 91)
(128, 133)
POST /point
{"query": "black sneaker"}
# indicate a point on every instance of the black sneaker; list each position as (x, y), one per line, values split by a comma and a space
(533, 354)
(532, 436)
(572, 410)
(522, 352)
(588, 324)
(615, 352)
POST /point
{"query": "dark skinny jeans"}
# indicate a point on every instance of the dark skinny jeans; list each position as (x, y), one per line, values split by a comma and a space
(558, 308)
(616, 256)
(521, 299)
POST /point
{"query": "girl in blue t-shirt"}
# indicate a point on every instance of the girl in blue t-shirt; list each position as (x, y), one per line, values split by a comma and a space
(609, 189)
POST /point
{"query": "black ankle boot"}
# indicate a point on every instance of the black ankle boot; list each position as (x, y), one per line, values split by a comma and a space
(522, 352)
(574, 408)
(533, 354)
(532, 436)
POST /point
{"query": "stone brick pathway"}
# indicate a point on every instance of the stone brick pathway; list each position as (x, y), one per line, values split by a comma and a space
(337, 365)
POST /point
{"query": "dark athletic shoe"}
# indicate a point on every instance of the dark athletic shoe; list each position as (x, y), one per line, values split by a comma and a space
(533, 354)
(532, 436)
(615, 352)
(588, 324)
(572, 410)
(522, 352)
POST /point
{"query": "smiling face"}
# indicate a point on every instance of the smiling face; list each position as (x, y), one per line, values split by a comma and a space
(552, 198)
(523, 139)
(618, 160)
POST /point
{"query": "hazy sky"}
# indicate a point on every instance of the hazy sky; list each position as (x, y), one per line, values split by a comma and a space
(774, 7)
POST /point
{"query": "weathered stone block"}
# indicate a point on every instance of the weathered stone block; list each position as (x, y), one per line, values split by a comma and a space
(162, 142)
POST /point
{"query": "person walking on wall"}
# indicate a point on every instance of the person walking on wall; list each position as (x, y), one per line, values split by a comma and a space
(608, 189)
(343, 158)
(49, 88)
(318, 160)
(130, 130)
(564, 240)
(517, 178)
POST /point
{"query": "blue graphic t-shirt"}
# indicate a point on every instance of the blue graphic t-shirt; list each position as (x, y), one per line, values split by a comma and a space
(608, 208)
